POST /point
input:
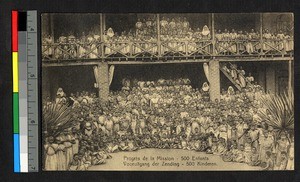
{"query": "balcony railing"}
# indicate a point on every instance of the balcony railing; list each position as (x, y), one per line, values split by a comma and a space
(155, 49)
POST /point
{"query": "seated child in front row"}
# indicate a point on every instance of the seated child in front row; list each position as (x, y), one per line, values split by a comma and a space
(146, 141)
(98, 158)
(269, 164)
(254, 158)
(184, 142)
(78, 164)
(240, 154)
(282, 162)
(112, 146)
(230, 155)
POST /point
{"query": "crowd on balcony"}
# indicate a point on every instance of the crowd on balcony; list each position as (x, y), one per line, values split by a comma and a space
(243, 42)
(167, 114)
(176, 38)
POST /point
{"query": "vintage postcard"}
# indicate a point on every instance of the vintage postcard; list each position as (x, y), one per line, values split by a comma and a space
(167, 92)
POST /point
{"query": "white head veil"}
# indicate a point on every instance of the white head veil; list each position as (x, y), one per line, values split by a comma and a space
(110, 32)
(205, 87)
(205, 30)
(230, 90)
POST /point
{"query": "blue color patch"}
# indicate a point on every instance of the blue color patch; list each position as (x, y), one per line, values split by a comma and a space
(16, 153)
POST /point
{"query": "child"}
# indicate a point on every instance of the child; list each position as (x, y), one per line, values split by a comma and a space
(155, 141)
(75, 134)
(282, 163)
(282, 146)
(240, 154)
(269, 162)
(112, 146)
(254, 157)
(204, 146)
(196, 143)
(176, 142)
(222, 146)
(230, 155)
(51, 156)
(223, 131)
(214, 147)
(123, 144)
(290, 164)
(61, 156)
(209, 140)
(146, 141)
(164, 141)
(131, 144)
(248, 150)
(75, 163)
(266, 144)
(98, 158)
(184, 142)
(87, 159)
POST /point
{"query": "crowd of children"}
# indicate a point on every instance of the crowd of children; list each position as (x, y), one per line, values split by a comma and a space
(167, 114)
(176, 38)
(243, 42)
(238, 75)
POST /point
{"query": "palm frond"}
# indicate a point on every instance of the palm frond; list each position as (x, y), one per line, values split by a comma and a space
(56, 118)
(279, 112)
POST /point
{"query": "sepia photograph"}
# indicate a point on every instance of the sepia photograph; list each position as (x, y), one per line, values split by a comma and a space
(167, 92)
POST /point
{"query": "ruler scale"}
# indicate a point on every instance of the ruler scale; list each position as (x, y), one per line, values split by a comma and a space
(23, 113)
(32, 92)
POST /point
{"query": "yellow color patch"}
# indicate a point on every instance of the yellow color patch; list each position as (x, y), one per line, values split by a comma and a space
(15, 72)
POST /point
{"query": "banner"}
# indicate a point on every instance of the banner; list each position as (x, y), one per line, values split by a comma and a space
(96, 73)
(111, 73)
(206, 70)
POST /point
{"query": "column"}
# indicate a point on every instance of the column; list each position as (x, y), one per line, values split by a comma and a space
(103, 81)
(102, 35)
(261, 33)
(214, 80)
(104, 21)
(212, 15)
(290, 84)
(158, 34)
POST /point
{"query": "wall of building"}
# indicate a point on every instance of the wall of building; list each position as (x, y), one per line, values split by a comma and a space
(261, 77)
(152, 72)
(278, 21)
(276, 77)
(270, 79)
(71, 79)
(45, 19)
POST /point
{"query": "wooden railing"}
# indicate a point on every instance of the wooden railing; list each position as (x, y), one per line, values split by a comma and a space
(139, 50)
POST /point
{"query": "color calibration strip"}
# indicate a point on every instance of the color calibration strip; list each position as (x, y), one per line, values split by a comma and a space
(16, 136)
(25, 91)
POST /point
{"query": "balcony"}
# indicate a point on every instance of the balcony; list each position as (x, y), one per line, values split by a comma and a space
(151, 38)
(166, 50)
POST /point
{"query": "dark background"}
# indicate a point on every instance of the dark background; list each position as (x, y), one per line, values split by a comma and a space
(132, 6)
